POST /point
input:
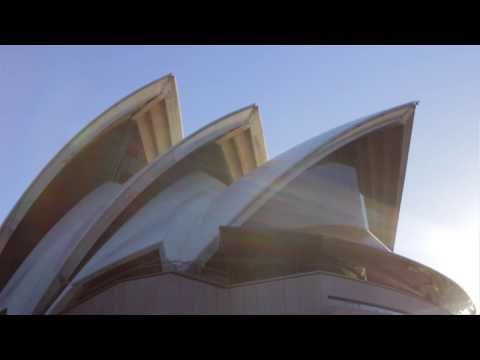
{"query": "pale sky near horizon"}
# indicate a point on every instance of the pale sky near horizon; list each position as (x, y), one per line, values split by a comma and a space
(49, 93)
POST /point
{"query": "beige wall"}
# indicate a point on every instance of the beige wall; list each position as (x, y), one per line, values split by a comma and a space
(306, 294)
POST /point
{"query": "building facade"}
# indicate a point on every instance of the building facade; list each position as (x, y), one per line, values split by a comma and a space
(130, 217)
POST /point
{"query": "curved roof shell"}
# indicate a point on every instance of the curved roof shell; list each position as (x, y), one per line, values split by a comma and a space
(110, 148)
(243, 198)
(246, 196)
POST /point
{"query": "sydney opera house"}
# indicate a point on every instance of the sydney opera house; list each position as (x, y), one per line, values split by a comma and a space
(130, 217)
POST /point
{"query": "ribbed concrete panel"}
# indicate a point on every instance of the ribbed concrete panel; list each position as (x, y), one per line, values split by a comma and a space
(157, 127)
(265, 292)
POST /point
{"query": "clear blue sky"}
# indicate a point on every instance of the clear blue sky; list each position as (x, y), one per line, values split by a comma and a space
(47, 94)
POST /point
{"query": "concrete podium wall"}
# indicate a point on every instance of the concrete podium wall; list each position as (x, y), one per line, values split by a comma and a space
(315, 293)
